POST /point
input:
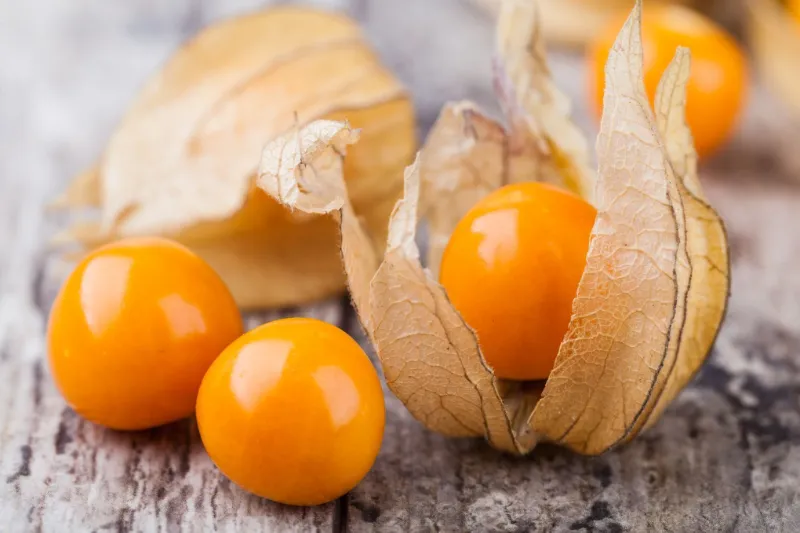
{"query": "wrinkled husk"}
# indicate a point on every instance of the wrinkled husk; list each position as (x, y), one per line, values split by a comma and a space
(775, 38)
(649, 304)
(181, 162)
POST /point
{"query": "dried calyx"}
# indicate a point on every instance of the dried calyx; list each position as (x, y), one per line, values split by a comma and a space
(654, 290)
(181, 161)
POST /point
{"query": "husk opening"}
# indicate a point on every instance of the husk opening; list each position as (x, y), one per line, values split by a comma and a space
(648, 306)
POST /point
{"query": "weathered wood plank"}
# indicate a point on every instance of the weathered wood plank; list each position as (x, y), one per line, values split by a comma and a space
(726, 457)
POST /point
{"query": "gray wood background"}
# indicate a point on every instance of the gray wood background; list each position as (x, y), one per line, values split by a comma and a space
(726, 456)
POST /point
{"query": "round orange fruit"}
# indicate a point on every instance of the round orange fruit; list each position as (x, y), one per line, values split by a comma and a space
(134, 329)
(293, 411)
(512, 267)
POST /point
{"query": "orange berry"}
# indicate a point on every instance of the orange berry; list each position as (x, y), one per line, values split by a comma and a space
(134, 329)
(718, 84)
(512, 268)
(293, 412)
(794, 9)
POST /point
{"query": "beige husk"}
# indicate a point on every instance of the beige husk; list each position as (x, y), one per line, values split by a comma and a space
(181, 162)
(775, 36)
(648, 306)
(656, 283)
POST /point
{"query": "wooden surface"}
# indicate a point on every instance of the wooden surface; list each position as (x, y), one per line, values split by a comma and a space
(726, 456)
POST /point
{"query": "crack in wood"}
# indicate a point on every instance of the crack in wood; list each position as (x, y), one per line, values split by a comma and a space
(24, 469)
(341, 514)
(369, 512)
(603, 473)
(184, 454)
(38, 293)
(600, 512)
(213, 502)
(124, 520)
(177, 507)
(65, 428)
(38, 378)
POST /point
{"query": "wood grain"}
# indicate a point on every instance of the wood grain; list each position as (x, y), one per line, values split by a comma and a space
(726, 456)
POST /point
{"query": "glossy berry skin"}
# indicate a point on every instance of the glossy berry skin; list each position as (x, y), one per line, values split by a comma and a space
(134, 329)
(512, 267)
(293, 411)
(718, 82)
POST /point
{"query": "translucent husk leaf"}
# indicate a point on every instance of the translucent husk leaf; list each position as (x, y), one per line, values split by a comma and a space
(430, 357)
(537, 111)
(656, 283)
(181, 162)
(468, 154)
(775, 38)
(706, 240)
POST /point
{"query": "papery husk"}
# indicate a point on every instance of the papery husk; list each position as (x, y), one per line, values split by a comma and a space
(648, 306)
(181, 162)
(706, 239)
(775, 38)
(656, 284)
(467, 154)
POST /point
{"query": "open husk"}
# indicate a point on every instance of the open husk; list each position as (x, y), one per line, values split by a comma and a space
(656, 283)
(775, 37)
(182, 162)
